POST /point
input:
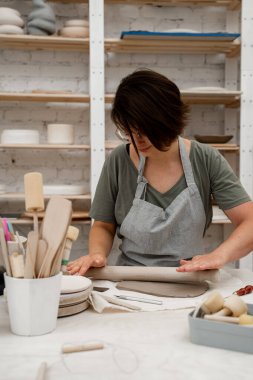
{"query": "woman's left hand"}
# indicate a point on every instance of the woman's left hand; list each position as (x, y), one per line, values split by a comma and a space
(201, 262)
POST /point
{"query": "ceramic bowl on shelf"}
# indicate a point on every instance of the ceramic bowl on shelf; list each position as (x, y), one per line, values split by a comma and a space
(11, 19)
(5, 11)
(11, 29)
(63, 189)
(20, 136)
(60, 134)
(74, 32)
(213, 139)
(77, 22)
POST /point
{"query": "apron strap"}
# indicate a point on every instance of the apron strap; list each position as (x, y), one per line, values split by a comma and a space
(186, 163)
(141, 181)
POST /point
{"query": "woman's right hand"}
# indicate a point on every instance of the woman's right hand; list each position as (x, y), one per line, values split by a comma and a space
(81, 265)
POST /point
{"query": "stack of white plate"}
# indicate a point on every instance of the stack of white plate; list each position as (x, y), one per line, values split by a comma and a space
(64, 189)
(75, 291)
(19, 136)
(75, 29)
(10, 21)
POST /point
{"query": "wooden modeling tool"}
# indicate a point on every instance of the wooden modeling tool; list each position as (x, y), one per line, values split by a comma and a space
(17, 265)
(41, 252)
(31, 254)
(72, 235)
(41, 375)
(5, 252)
(234, 306)
(243, 319)
(54, 228)
(34, 199)
(67, 349)
(217, 306)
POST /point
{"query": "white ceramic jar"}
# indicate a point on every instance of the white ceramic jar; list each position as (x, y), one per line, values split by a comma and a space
(60, 134)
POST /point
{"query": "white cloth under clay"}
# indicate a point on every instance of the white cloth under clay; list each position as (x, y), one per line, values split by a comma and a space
(229, 282)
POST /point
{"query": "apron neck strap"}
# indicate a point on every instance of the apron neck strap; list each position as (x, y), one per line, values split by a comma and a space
(186, 163)
(141, 181)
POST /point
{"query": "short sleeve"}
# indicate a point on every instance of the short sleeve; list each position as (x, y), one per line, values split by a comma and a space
(226, 187)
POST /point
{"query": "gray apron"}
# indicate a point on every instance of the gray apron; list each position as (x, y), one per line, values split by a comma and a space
(152, 236)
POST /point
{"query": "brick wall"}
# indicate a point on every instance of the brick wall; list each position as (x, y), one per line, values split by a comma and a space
(41, 70)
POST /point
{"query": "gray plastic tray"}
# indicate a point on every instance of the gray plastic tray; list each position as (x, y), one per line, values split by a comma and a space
(229, 336)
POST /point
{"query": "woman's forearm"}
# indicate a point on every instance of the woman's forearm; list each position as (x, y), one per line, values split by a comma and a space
(101, 238)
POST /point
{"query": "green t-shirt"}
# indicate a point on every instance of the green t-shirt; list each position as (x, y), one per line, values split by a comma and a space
(117, 184)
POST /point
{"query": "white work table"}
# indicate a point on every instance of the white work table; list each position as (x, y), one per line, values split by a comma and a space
(139, 345)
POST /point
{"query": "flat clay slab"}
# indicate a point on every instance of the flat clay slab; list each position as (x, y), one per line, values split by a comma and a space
(164, 289)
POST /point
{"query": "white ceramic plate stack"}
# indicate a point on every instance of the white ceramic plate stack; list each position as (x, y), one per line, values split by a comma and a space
(75, 29)
(11, 21)
(64, 189)
(19, 136)
(75, 291)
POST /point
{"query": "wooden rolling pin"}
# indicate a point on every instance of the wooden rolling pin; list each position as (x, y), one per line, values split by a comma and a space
(161, 274)
(34, 199)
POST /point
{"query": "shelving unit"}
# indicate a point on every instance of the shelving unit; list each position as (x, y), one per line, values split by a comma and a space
(174, 45)
(97, 45)
(230, 4)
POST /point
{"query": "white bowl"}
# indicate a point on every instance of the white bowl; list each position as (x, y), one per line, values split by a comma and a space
(11, 29)
(11, 19)
(63, 189)
(6, 11)
(19, 136)
(60, 134)
(77, 22)
(74, 32)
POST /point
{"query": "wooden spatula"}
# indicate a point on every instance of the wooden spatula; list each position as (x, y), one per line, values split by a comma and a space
(41, 253)
(31, 253)
(57, 219)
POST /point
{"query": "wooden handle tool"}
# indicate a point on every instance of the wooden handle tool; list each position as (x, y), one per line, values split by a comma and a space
(67, 349)
(72, 235)
(34, 199)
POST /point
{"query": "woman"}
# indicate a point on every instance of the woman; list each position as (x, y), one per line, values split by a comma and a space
(156, 191)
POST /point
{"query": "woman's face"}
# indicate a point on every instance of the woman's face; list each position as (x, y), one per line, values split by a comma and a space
(143, 144)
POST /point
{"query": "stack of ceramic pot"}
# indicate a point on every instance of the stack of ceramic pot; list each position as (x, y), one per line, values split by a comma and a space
(11, 21)
(41, 21)
(75, 29)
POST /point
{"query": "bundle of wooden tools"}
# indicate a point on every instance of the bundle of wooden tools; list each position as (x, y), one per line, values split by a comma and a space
(231, 309)
(48, 248)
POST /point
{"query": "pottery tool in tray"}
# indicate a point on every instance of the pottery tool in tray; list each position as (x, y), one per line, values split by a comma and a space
(53, 231)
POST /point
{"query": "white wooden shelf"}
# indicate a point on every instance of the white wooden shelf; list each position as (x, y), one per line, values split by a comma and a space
(44, 97)
(29, 42)
(230, 4)
(44, 146)
(231, 99)
(108, 145)
(221, 147)
(174, 45)
(170, 45)
(21, 196)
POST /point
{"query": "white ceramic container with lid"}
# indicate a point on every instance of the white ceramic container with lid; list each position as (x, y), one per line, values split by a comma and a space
(19, 136)
(60, 134)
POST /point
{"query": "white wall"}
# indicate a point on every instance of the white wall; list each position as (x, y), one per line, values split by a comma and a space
(30, 70)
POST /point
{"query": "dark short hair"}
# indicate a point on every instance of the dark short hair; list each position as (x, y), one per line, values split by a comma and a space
(151, 104)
